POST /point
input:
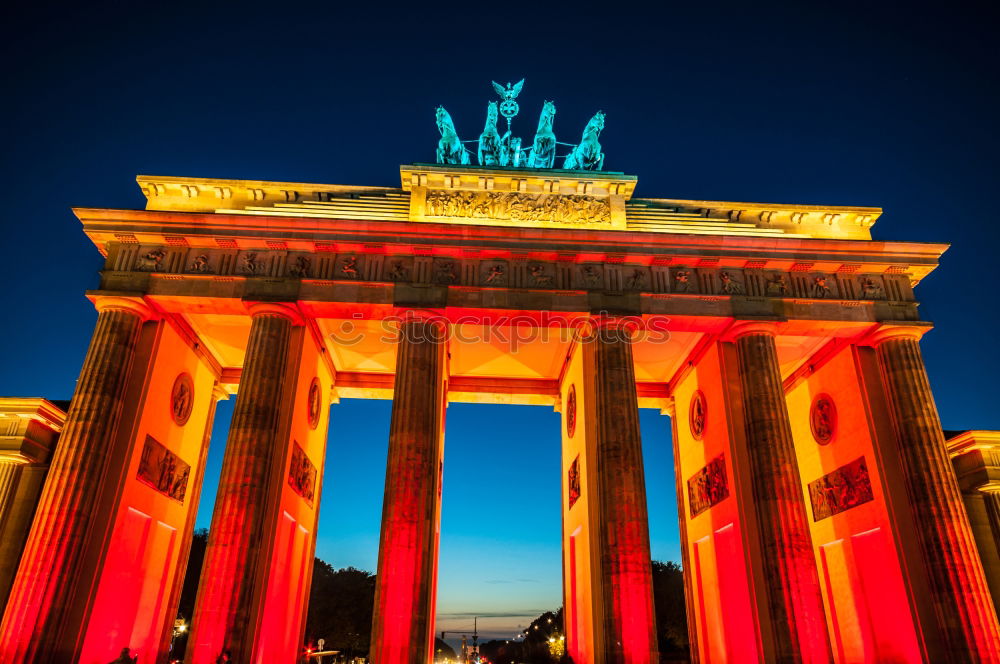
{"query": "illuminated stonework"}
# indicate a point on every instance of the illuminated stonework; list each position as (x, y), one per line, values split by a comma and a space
(493, 285)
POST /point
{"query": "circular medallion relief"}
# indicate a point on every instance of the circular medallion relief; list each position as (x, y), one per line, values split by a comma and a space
(313, 406)
(698, 414)
(823, 419)
(571, 411)
(182, 399)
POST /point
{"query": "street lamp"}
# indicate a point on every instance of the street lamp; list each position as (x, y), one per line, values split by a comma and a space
(180, 627)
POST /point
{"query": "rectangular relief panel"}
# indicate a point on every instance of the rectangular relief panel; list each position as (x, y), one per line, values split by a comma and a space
(302, 474)
(708, 487)
(163, 470)
(840, 490)
(573, 479)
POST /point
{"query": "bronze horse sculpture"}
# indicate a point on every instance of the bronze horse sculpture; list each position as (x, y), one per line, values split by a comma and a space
(587, 155)
(450, 149)
(543, 150)
(490, 148)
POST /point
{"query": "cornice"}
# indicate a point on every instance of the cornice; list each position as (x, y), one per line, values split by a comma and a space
(36, 409)
(194, 229)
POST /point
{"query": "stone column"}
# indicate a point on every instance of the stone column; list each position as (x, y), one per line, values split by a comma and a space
(9, 471)
(230, 575)
(403, 621)
(10, 474)
(42, 589)
(964, 610)
(629, 621)
(795, 604)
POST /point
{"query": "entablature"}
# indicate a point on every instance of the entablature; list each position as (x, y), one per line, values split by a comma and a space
(506, 197)
(176, 231)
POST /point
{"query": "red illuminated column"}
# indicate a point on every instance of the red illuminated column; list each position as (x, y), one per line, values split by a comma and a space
(34, 624)
(795, 603)
(232, 576)
(629, 623)
(962, 601)
(403, 621)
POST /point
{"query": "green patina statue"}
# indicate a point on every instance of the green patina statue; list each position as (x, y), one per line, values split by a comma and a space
(587, 155)
(506, 150)
(490, 147)
(543, 150)
(450, 149)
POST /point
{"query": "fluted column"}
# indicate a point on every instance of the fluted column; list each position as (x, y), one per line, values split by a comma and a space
(42, 592)
(10, 547)
(626, 571)
(795, 604)
(230, 574)
(961, 597)
(403, 621)
(9, 471)
(991, 503)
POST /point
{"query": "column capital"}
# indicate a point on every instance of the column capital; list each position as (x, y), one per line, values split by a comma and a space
(435, 320)
(284, 309)
(669, 406)
(418, 315)
(135, 305)
(744, 328)
(219, 392)
(893, 332)
(607, 327)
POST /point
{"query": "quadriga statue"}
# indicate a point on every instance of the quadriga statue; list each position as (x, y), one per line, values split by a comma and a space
(450, 149)
(489, 141)
(543, 150)
(587, 155)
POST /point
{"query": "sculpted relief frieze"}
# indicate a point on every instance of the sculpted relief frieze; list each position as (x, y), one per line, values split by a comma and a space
(517, 272)
(518, 206)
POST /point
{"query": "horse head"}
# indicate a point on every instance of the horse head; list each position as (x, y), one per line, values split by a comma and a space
(444, 123)
(547, 117)
(596, 124)
(491, 115)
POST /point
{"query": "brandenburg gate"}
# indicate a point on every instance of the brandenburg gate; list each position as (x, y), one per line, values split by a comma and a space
(820, 518)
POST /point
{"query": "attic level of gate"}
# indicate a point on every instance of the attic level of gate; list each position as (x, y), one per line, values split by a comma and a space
(517, 197)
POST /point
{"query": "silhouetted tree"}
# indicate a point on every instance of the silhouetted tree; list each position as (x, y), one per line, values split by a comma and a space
(340, 608)
(340, 603)
(671, 610)
(443, 650)
(189, 591)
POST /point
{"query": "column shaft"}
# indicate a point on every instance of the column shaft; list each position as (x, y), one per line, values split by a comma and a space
(795, 605)
(11, 516)
(230, 574)
(961, 597)
(626, 571)
(42, 590)
(9, 472)
(403, 621)
(990, 544)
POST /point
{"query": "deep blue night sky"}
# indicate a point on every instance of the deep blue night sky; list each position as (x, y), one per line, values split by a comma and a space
(830, 103)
